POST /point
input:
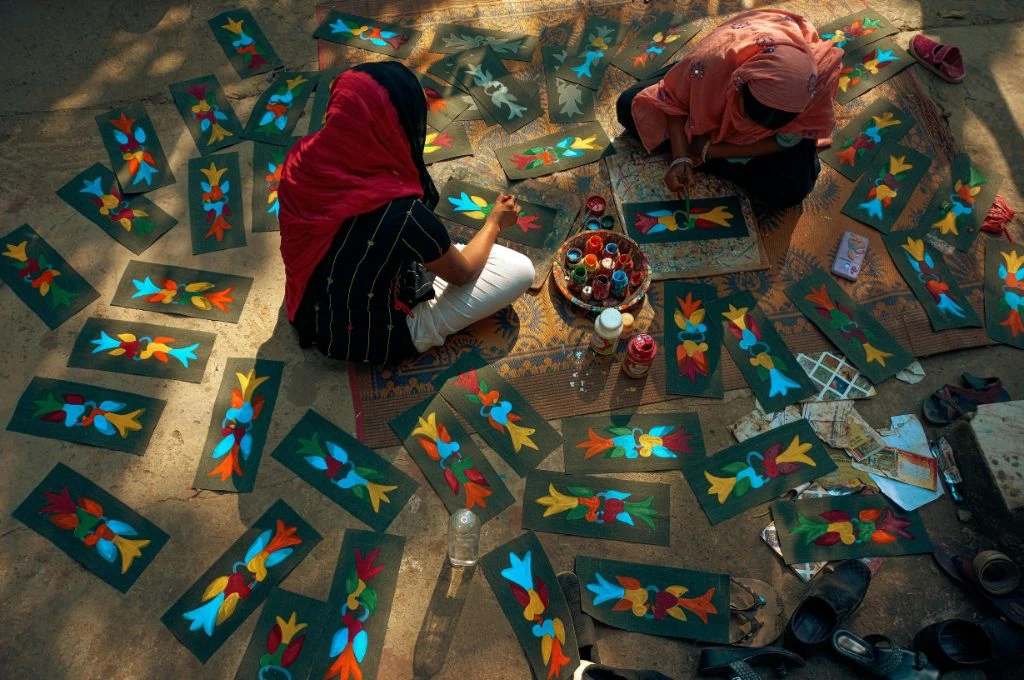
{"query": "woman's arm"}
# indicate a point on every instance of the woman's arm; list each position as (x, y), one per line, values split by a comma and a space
(679, 177)
(459, 267)
(763, 147)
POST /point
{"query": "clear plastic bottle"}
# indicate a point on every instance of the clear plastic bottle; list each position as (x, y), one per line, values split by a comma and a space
(463, 538)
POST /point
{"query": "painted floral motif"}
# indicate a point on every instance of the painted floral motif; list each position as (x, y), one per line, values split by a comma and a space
(871, 136)
(435, 141)
(74, 410)
(372, 34)
(86, 520)
(237, 424)
(436, 102)
(216, 200)
(278, 107)
(224, 593)
(459, 42)
(532, 595)
(960, 203)
(870, 64)
(244, 45)
(1012, 275)
(656, 45)
(343, 472)
(273, 180)
(38, 273)
(570, 94)
(199, 294)
(594, 51)
(691, 352)
(540, 156)
(499, 413)
(770, 367)
(842, 320)
(131, 141)
(661, 441)
(129, 346)
(349, 643)
(650, 602)
(111, 204)
(868, 526)
(759, 469)
(601, 507)
(477, 208)
(887, 186)
(703, 217)
(922, 262)
(208, 115)
(858, 29)
(496, 90)
(459, 470)
(284, 645)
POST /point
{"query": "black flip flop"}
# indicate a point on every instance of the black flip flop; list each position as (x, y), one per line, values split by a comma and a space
(955, 644)
(882, 658)
(831, 600)
(740, 663)
(755, 613)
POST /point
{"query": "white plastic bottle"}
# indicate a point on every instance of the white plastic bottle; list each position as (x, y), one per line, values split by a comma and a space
(607, 329)
(463, 538)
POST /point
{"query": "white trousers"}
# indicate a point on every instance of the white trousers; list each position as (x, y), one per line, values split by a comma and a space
(505, 277)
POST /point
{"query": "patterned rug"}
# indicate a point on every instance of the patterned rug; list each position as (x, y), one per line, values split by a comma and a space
(540, 344)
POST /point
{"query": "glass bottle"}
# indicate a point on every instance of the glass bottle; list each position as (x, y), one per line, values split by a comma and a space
(463, 538)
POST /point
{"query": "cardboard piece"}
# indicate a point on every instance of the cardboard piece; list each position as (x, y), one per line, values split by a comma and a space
(180, 290)
(470, 205)
(381, 37)
(767, 364)
(142, 349)
(451, 38)
(857, 145)
(868, 66)
(674, 220)
(244, 43)
(884, 190)
(592, 54)
(352, 475)
(459, 473)
(443, 102)
(240, 580)
(96, 529)
(844, 527)
(133, 221)
(862, 339)
(508, 101)
(238, 426)
(757, 470)
(215, 203)
(853, 31)
(693, 341)
(657, 600)
(597, 507)
(267, 163)
(277, 111)
(207, 113)
(41, 278)
(452, 142)
(568, 102)
(525, 585)
(282, 642)
(653, 45)
(631, 443)
(86, 414)
(563, 150)
(135, 153)
(958, 208)
(1004, 292)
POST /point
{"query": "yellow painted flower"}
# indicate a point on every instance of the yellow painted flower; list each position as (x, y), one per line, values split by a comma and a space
(762, 359)
(915, 247)
(379, 494)
(947, 225)
(1013, 261)
(202, 107)
(884, 191)
(898, 164)
(584, 143)
(695, 318)
(289, 628)
(125, 422)
(871, 66)
(638, 598)
(720, 486)
(533, 608)
(737, 316)
(217, 133)
(720, 215)
(426, 427)
(887, 119)
(233, 26)
(557, 502)
(17, 252)
(845, 531)
(213, 173)
(129, 549)
(295, 82)
(874, 354)
(795, 453)
(520, 436)
(844, 83)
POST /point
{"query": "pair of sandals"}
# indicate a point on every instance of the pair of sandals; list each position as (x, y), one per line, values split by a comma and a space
(951, 402)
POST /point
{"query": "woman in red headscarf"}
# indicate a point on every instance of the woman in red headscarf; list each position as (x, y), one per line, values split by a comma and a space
(359, 235)
(750, 103)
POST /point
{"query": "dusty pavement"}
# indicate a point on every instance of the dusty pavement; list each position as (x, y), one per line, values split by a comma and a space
(65, 62)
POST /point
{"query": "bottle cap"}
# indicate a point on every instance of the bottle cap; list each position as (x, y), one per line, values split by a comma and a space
(627, 322)
(609, 320)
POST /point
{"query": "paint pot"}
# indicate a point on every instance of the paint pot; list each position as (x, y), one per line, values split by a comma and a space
(607, 266)
(628, 322)
(586, 293)
(608, 222)
(591, 263)
(594, 245)
(620, 283)
(573, 257)
(607, 329)
(601, 286)
(625, 263)
(640, 354)
(580, 276)
(591, 225)
(636, 279)
(611, 250)
(596, 206)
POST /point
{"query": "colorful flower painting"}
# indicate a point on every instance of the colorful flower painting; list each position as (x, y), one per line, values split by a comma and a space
(871, 64)
(280, 106)
(1011, 300)
(923, 263)
(687, 219)
(37, 273)
(960, 203)
(436, 141)
(887, 186)
(245, 45)
(556, 152)
(842, 320)
(349, 643)
(216, 200)
(283, 647)
(143, 348)
(132, 141)
(370, 33)
(478, 209)
(651, 602)
(600, 507)
(692, 335)
(207, 115)
(873, 134)
(367, 34)
(459, 471)
(546, 156)
(237, 424)
(867, 526)
(111, 204)
(531, 592)
(760, 467)
(498, 412)
(337, 466)
(199, 294)
(770, 366)
(660, 441)
(107, 417)
(860, 28)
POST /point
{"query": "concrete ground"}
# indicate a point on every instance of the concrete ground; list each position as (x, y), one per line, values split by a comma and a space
(64, 63)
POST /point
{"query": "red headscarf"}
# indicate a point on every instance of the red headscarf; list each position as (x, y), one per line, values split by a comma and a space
(358, 161)
(776, 53)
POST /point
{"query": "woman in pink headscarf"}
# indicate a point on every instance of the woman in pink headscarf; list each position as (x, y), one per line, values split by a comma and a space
(750, 103)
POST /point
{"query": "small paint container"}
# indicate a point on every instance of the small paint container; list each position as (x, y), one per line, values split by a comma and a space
(586, 293)
(607, 266)
(620, 283)
(636, 279)
(596, 205)
(611, 250)
(594, 245)
(608, 222)
(580, 276)
(628, 323)
(640, 354)
(592, 225)
(591, 263)
(573, 256)
(625, 263)
(601, 287)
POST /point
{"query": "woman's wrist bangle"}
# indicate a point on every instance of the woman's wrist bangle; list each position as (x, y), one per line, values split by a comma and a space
(704, 152)
(684, 160)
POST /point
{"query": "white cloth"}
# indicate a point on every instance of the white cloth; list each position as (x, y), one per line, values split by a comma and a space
(505, 277)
